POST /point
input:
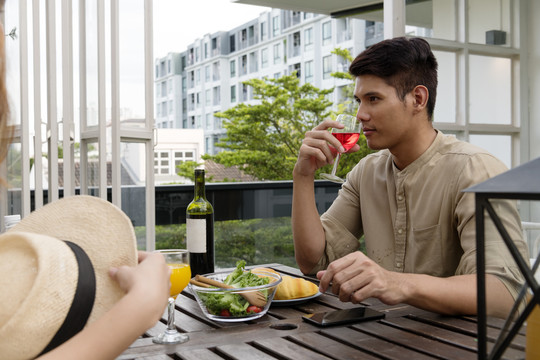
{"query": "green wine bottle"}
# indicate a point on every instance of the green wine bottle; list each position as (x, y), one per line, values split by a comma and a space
(200, 229)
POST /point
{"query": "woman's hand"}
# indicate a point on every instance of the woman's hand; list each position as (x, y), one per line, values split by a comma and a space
(149, 281)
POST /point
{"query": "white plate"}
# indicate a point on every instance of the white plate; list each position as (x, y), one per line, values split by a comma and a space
(294, 301)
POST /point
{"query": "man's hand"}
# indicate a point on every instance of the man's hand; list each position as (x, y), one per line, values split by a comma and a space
(355, 277)
(316, 151)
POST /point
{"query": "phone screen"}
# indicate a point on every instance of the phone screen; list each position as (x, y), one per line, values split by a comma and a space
(345, 316)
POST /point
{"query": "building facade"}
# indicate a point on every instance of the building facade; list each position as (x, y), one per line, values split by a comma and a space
(191, 86)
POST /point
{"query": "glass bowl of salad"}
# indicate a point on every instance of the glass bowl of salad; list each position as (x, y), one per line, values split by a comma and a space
(231, 304)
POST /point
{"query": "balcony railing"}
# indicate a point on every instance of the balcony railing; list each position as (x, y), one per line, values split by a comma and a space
(252, 220)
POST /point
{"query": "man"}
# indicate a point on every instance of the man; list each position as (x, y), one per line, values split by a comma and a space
(406, 199)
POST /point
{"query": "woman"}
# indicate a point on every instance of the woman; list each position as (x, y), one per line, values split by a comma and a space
(146, 285)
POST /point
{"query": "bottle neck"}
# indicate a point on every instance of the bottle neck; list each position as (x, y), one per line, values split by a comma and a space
(199, 185)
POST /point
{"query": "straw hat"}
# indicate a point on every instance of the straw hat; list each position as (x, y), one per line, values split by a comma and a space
(39, 272)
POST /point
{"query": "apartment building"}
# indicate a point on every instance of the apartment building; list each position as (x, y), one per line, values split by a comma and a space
(191, 86)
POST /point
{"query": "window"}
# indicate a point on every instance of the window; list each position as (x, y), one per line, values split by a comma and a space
(216, 71)
(217, 95)
(264, 58)
(308, 39)
(198, 103)
(308, 71)
(251, 35)
(169, 85)
(164, 88)
(208, 98)
(206, 50)
(208, 122)
(275, 26)
(296, 68)
(217, 123)
(243, 65)
(233, 94)
(161, 163)
(277, 53)
(207, 145)
(191, 101)
(198, 77)
(168, 66)
(264, 31)
(244, 92)
(233, 68)
(170, 107)
(296, 44)
(191, 79)
(327, 66)
(253, 62)
(327, 33)
(232, 44)
(183, 156)
(207, 73)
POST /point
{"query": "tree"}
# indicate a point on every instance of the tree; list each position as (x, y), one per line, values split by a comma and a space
(264, 139)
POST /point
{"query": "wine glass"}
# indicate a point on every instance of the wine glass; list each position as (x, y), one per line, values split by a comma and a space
(178, 262)
(348, 136)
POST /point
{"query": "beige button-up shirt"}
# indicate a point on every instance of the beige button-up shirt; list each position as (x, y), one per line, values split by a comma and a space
(418, 220)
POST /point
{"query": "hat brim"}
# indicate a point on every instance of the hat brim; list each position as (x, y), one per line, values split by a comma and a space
(101, 229)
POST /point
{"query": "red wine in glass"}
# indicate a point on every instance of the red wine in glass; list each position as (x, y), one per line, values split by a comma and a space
(347, 139)
(348, 136)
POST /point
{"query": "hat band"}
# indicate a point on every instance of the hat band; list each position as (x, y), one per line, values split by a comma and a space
(83, 301)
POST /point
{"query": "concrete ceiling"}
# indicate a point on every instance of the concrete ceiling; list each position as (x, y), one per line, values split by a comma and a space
(325, 7)
(418, 12)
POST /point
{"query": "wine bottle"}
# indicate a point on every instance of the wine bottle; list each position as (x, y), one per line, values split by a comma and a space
(200, 229)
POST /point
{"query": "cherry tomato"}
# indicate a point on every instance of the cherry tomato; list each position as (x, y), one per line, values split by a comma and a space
(224, 312)
(254, 309)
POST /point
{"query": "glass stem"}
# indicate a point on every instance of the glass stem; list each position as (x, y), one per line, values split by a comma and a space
(170, 317)
(336, 161)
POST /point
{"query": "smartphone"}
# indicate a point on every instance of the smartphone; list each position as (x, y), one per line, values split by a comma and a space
(346, 316)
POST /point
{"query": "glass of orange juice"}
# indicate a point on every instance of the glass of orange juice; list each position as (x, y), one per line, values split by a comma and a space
(178, 262)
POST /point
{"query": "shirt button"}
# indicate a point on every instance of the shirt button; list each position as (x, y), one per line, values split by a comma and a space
(400, 198)
(400, 231)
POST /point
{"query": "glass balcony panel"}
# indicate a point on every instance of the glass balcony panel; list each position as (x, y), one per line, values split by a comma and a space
(445, 107)
(92, 169)
(489, 22)
(490, 89)
(131, 72)
(91, 52)
(498, 145)
(133, 182)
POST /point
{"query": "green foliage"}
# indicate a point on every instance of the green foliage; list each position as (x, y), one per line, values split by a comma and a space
(256, 241)
(264, 139)
(187, 169)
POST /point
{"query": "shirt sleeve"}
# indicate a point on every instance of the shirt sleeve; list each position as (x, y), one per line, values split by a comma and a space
(342, 223)
(499, 261)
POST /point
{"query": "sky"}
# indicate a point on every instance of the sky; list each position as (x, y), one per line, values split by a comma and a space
(178, 23)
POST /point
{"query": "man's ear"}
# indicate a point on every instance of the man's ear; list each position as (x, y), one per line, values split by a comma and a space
(421, 96)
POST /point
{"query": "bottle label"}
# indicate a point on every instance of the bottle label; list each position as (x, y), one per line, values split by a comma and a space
(196, 235)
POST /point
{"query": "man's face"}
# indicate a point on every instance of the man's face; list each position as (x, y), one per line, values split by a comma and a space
(387, 121)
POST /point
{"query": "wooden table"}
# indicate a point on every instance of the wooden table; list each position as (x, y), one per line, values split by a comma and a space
(405, 333)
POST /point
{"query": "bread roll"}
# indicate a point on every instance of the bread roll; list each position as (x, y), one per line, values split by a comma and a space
(292, 287)
(295, 288)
